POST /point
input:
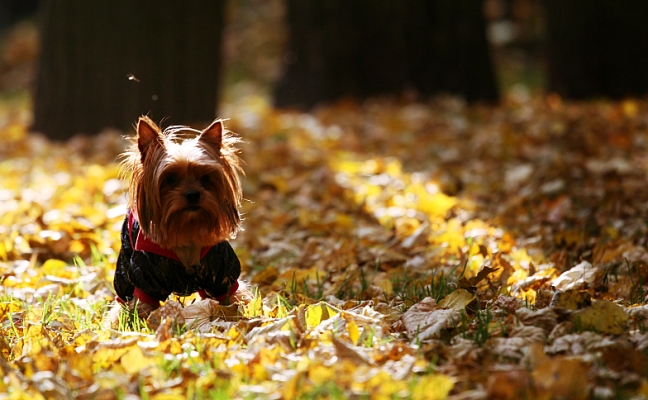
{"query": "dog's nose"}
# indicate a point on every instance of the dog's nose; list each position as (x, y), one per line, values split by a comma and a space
(192, 196)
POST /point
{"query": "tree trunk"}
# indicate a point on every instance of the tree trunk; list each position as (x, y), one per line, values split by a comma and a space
(170, 51)
(597, 47)
(362, 48)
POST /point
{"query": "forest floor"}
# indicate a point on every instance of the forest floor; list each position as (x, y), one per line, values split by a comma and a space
(400, 250)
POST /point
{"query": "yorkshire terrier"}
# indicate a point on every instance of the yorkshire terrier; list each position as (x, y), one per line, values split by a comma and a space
(183, 205)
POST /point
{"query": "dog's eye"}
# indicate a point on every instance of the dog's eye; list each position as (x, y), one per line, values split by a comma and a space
(204, 180)
(171, 180)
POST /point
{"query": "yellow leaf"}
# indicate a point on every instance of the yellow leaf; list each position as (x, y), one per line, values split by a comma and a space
(474, 265)
(299, 276)
(433, 387)
(289, 389)
(54, 267)
(169, 396)
(521, 259)
(602, 316)
(436, 205)
(134, 360)
(571, 299)
(81, 364)
(9, 307)
(452, 237)
(234, 335)
(254, 308)
(320, 374)
(106, 357)
(457, 300)
(34, 341)
(384, 386)
(385, 284)
(568, 237)
(317, 313)
(314, 315)
(258, 372)
(353, 331)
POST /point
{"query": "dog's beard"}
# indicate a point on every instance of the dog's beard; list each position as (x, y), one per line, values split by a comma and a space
(185, 225)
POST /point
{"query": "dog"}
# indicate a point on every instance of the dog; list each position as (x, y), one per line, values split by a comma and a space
(183, 205)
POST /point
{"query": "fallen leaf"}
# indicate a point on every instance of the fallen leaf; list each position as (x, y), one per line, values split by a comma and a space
(602, 316)
(133, 360)
(319, 312)
(561, 377)
(511, 384)
(457, 300)
(433, 387)
(581, 276)
(422, 323)
(570, 300)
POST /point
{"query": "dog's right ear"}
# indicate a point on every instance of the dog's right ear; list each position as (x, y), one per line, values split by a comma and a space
(148, 135)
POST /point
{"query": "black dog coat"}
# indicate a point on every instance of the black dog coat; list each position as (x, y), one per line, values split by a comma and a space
(151, 273)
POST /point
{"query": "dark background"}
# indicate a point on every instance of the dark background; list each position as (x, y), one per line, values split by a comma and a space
(90, 66)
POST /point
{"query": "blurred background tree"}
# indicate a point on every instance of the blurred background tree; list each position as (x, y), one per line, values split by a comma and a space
(597, 48)
(12, 11)
(102, 65)
(359, 48)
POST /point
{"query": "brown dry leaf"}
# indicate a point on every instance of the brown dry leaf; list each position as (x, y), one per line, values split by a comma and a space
(633, 360)
(581, 276)
(485, 271)
(199, 314)
(511, 384)
(561, 377)
(532, 333)
(356, 354)
(577, 343)
(171, 311)
(423, 321)
(545, 318)
(509, 348)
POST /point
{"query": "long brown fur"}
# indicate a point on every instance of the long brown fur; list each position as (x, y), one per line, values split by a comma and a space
(166, 165)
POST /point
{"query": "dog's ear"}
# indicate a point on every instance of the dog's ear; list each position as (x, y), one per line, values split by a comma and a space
(213, 134)
(148, 135)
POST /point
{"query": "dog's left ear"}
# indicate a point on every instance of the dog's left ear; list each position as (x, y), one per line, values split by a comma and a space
(148, 136)
(213, 134)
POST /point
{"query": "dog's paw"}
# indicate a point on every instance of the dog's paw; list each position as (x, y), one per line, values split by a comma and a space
(243, 294)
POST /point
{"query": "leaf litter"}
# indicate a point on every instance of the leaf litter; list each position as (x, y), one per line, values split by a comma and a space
(400, 250)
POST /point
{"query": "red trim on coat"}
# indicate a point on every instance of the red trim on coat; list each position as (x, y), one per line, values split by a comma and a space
(144, 243)
(145, 298)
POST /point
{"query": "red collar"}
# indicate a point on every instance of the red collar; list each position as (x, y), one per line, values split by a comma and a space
(144, 243)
